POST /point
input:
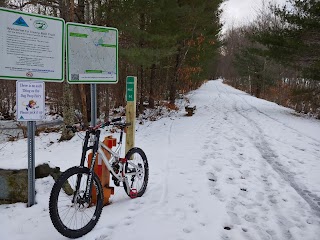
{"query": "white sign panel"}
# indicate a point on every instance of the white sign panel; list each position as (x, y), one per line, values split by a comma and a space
(30, 101)
(31, 46)
(92, 54)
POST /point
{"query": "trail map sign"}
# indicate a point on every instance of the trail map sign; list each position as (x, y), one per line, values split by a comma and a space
(92, 54)
(30, 101)
(31, 46)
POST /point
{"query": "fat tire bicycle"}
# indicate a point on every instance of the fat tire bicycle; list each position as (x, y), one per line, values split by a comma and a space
(76, 198)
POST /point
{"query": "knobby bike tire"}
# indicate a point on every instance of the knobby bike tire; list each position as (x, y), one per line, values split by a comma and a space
(53, 203)
(143, 156)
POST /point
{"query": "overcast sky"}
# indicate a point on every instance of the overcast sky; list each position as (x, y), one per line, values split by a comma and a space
(239, 12)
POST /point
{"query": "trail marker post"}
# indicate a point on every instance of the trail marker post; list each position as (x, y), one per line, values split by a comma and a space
(131, 97)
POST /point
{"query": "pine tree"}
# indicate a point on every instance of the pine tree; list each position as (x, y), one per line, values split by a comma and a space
(296, 41)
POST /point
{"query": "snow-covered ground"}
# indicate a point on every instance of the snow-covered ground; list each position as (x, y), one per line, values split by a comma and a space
(240, 168)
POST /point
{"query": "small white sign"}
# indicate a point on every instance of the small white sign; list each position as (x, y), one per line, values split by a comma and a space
(30, 101)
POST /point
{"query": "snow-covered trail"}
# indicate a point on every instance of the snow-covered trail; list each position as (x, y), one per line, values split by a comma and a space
(240, 168)
(239, 163)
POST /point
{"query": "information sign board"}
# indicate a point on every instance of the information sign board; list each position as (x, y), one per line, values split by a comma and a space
(92, 54)
(31, 46)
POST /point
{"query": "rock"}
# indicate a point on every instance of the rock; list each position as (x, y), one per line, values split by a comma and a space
(14, 183)
(13, 186)
(45, 170)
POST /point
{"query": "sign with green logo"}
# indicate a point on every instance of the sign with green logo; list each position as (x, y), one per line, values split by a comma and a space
(32, 46)
(92, 54)
(130, 89)
(40, 24)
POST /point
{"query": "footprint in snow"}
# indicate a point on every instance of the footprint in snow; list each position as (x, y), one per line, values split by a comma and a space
(212, 178)
(260, 196)
(180, 195)
(230, 180)
(233, 148)
(202, 162)
(250, 218)
(187, 230)
(102, 237)
(231, 205)
(240, 144)
(234, 218)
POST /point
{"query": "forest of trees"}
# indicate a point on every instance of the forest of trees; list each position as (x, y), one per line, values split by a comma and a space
(277, 57)
(172, 46)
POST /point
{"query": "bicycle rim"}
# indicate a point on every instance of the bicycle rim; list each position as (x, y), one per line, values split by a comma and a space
(137, 171)
(69, 212)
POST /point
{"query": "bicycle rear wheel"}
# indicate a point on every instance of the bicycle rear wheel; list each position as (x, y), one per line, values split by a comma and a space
(69, 212)
(136, 170)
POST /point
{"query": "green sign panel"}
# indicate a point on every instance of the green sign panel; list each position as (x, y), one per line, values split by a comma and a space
(130, 89)
(92, 54)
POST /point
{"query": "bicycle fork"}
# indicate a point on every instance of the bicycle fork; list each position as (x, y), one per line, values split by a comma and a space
(88, 190)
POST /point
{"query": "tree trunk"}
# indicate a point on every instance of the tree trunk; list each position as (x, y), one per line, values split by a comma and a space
(174, 82)
(258, 86)
(107, 101)
(99, 12)
(93, 11)
(84, 106)
(68, 112)
(151, 93)
(81, 7)
(141, 107)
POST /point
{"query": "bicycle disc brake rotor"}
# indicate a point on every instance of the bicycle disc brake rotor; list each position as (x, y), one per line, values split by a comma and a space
(80, 203)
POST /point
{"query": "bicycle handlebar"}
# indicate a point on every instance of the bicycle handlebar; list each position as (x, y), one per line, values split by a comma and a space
(113, 122)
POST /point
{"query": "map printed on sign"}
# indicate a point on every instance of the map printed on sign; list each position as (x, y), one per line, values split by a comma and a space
(92, 54)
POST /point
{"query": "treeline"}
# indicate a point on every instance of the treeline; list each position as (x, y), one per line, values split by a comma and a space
(170, 45)
(277, 57)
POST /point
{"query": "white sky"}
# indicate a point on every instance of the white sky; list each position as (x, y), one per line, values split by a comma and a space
(239, 12)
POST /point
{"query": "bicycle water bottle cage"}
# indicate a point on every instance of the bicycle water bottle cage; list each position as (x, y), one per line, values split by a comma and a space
(133, 193)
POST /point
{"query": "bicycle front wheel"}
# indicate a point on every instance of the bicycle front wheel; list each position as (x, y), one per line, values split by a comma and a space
(70, 214)
(136, 170)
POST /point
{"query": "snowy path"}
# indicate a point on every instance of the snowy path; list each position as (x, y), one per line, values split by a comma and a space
(240, 168)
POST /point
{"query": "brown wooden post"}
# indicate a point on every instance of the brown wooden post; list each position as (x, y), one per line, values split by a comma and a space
(131, 97)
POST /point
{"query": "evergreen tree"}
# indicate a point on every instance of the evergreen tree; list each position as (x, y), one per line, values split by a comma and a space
(296, 41)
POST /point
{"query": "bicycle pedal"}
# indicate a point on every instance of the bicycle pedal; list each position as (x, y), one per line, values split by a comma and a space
(133, 193)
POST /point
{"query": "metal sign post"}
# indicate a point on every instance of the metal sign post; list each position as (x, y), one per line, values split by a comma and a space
(93, 104)
(31, 163)
(30, 107)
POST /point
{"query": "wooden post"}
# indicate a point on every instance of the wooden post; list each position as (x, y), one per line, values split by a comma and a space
(131, 97)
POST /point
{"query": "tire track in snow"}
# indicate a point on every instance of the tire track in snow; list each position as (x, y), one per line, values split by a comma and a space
(276, 120)
(252, 214)
(272, 158)
(166, 169)
(286, 217)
